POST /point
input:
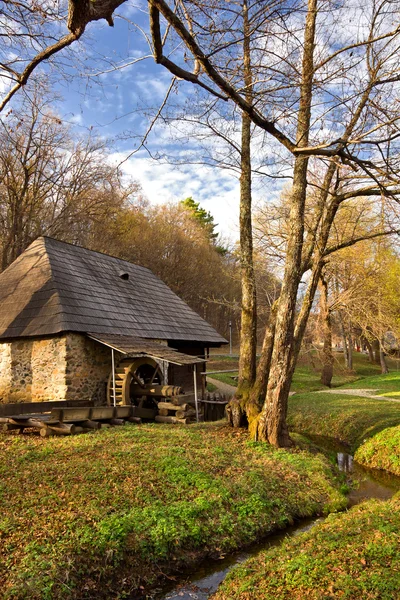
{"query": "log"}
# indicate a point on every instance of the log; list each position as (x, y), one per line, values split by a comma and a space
(10, 427)
(63, 428)
(181, 414)
(137, 420)
(160, 419)
(163, 412)
(117, 422)
(27, 422)
(91, 424)
(163, 391)
(182, 399)
(171, 406)
(46, 432)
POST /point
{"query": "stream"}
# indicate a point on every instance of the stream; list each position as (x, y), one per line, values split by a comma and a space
(204, 580)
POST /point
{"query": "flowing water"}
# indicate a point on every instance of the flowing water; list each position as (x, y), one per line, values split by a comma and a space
(204, 581)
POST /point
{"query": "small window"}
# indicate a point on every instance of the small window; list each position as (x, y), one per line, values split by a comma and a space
(124, 275)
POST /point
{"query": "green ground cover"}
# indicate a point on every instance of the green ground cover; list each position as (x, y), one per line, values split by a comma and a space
(97, 515)
(381, 451)
(331, 561)
(349, 419)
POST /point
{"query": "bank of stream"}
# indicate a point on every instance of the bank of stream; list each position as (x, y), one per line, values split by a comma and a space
(201, 583)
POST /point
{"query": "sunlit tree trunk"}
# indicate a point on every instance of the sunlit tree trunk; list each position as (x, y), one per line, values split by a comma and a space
(327, 354)
(272, 425)
(248, 329)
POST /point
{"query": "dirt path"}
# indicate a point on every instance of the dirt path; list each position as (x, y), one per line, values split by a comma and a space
(223, 388)
(364, 393)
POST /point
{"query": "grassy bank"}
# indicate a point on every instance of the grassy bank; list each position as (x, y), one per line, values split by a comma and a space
(100, 514)
(350, 419)
(331, 561)
(382, 451)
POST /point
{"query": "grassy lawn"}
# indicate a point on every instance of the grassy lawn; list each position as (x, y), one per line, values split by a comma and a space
(308, 372)
(98, 515)
(385, 385)
(331, 561)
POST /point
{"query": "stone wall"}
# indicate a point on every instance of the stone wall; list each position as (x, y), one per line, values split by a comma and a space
(33, 370)
(68, 367)
(65, 367)
(88, 368)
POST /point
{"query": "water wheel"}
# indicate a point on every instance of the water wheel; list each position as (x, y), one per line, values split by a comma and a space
(131, 376)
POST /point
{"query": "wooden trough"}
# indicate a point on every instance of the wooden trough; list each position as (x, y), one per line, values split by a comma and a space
(70, 421)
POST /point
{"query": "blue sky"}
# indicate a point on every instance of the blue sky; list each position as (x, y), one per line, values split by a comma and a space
(119, 103)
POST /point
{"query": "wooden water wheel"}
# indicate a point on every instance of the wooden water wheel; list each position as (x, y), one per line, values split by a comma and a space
(134, 380)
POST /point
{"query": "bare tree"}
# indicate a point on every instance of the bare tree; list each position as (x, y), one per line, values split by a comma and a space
(50, 183)
(325, 93)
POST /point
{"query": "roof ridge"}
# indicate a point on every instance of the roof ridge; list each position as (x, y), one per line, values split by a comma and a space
(47, 237)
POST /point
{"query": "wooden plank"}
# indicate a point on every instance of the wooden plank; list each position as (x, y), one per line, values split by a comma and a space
(100, 413)
(144, 413)
(123, 412)
(22, 408)
(72, 414)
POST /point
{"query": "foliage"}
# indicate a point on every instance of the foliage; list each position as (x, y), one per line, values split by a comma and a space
(100, 514)
(202, 216)
(352, 555)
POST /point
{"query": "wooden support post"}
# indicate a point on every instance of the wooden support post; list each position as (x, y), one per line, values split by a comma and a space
(195, 392)
(113, 375)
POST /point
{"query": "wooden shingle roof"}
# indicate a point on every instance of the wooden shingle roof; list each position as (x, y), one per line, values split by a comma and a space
(55, 287)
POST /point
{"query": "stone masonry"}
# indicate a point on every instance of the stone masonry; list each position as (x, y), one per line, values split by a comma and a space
(65, 367)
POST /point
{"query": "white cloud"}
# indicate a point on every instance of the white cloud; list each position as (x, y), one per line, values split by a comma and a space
(216, 190)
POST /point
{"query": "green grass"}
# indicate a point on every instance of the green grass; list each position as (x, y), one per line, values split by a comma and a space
(98, 515)
(353, 555)
(349, 419)
(308, 372)
(382, 451)
(387, 385)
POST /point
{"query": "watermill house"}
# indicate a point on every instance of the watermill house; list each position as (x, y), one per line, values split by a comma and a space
(66, 312)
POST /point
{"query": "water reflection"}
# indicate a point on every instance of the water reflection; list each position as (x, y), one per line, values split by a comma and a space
(345, 462)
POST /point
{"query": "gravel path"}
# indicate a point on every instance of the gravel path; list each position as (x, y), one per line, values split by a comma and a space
(364, 393)
(224, 388)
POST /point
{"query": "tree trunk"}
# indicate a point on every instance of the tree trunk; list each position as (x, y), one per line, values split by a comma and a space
(272, 426)
(370, 351)
(248, 328)
(376, 349)
(327, 354)
(350, 344)
(382, 359)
